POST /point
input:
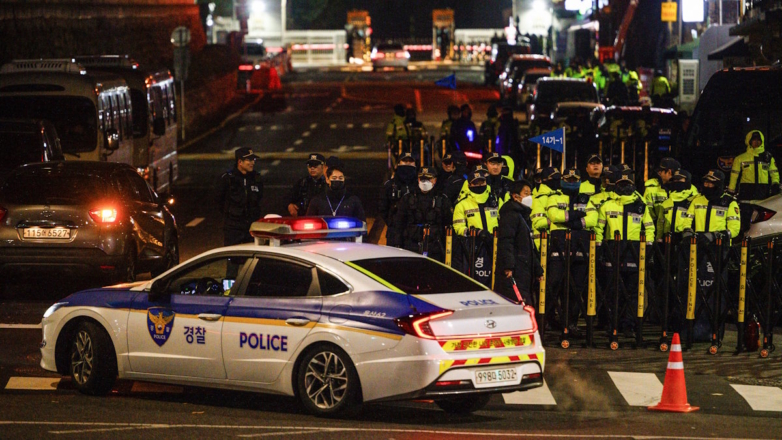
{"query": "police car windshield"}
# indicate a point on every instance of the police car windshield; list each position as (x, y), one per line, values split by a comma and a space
(419, 275)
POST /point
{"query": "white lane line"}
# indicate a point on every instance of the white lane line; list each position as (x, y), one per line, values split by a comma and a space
(258, 127)
(275, 162)
(290, 149)
(274, 127)
(242, 128)
(297, 142)
(306, 134)
(418, 107)
(307, 431)
(195, 222)
(333, 126)
(350, 125)
(20, 326)
(536, 396)
(313, 126)
(638, 389)
(33, 383)
(365, 125)
(264, 172)
(761, 398)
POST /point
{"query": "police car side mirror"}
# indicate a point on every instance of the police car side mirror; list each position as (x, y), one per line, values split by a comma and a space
(159, 126)
(159, 291)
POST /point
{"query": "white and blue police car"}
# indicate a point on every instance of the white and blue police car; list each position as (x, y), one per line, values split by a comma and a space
(334, 322)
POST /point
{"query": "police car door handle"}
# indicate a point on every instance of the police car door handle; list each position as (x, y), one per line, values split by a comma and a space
(298, 322)
(210, 316)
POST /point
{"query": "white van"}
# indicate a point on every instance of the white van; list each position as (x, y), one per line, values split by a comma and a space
(154, 117)
(91, 113)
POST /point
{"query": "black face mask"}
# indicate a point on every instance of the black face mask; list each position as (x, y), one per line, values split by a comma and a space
(677, 186)
(553, 184)
(337, 185)
(478, 189)
(625, 189)
(712, 193)
(406, 173)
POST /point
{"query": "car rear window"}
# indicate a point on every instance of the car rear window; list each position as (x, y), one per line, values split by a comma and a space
(18, 149)
(553, 92)
(50, 187)
(417, 275)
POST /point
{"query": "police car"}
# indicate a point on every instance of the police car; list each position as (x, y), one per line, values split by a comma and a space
(334, 322)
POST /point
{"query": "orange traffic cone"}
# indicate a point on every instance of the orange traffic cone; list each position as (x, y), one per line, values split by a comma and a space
(674, 397)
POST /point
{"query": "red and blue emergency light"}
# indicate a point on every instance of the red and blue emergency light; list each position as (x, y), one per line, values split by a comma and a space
(307, 228)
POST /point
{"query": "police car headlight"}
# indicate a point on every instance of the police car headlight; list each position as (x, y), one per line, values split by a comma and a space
(50, 311)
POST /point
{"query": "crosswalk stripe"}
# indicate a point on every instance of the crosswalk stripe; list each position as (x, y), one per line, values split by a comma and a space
(33, 383)
(638, 389)
(761, 398)
(536, 396)
(195, 222)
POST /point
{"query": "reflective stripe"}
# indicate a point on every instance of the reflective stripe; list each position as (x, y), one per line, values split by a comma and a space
(676, 365)
(734, 218)
(676, 348)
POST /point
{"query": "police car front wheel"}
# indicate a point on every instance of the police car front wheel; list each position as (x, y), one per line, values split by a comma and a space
(93, 363)
(463, 404)
(327, 381)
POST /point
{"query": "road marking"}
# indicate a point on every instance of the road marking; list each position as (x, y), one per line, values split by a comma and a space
(264, 172)
(297, 142)
(258, 127)
(333, 126)
(306, 134)
(305, 431)
(313, 126)
(273, 127)
(761, 398)
(638, 389)
(418, 107)
(275, 162)
(365, 125)
(242, 128)
(195, 222)
(350, 125)
(535, 396)
(33, 383)
(282, 155)
(290, 149)
(20, 326)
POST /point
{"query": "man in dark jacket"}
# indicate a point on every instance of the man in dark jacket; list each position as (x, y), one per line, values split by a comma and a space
(309, 186)
(509, 142)
(336, 202)
(403, 182)
(517, 258)
(238, 196)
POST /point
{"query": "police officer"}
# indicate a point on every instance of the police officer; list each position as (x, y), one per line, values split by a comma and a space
(655, 191)
(628, 215)
(403, 182)
(508, 141)
(673, 210)
(422, 217)
(336, 201)
(754, 175)
(714, 210)
(479, 210)
(445, 171)
(489, 128)
(500, 185)
(463, 131)
(661, 89)
(396, 131)
(549, 184)
(594, 170)
(517, 258)
(566, 211)
(445, 127)
(453, 185)
(238, 196)
(308, 187)
(416, 132)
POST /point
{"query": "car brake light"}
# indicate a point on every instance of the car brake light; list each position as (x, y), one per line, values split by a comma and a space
(246, 67)
(3, 211)
(105, 215)
(472, 155)
(759, 215)
(378, 56)
(402, 55)
(531, 311)
(418, 325)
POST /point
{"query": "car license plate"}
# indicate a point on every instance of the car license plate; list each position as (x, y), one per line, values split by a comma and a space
(496, 376)
(53, 233)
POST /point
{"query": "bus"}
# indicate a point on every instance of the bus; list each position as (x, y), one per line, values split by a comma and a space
(154, 117)
(91, 113)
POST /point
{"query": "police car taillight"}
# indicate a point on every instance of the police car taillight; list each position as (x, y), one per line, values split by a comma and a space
(759, 215)
(418, 325)
(307, 228)
(531, 311)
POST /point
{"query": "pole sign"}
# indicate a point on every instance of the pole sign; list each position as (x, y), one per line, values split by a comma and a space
(669, 12)
(180, 37)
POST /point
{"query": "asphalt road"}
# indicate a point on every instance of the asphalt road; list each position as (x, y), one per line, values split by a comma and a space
(589, 393)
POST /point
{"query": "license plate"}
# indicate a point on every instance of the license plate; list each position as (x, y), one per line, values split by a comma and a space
(53, 233)
(496, 376)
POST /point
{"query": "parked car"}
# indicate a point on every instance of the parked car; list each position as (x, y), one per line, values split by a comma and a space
(525, 84)
(551, 91)
(516, 66)
(85, 219)
(500, 52)
(27, 141)
(391, 55)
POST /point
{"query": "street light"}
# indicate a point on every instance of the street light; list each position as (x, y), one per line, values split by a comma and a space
(258, 7)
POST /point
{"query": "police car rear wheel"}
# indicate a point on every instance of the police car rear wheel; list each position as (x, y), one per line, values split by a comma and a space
(463, 404)
(327, 381)
(93, 364)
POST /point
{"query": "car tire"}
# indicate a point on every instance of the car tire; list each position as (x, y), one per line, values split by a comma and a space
(463, 404)
(334, 396)
(170, 258)
(93, 363)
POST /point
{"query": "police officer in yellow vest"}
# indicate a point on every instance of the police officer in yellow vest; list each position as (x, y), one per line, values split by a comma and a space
(396, 130)
(629, 216)
(714, 210)
(566, 211)
(754, 175)
(593, 182)
(611, 174)
(655, 191)
(539, 217)
(479, 210)
(673, 211)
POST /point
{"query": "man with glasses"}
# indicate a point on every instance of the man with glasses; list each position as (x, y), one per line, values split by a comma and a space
(238, 195)
(308, 187)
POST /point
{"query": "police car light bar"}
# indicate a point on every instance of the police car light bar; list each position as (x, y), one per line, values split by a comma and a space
(274, 230)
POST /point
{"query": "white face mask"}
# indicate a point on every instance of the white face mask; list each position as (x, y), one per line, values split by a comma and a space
(527, 201)
(426, 186)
